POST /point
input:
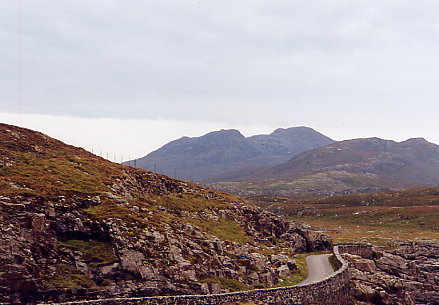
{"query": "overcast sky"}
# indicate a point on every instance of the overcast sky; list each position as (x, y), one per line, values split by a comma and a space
(145, 72)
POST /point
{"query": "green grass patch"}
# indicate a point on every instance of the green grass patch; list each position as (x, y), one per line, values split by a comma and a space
(95, 253)
(186, 202)
(143, 219)
(298, 275)
(67, 276)
(59, 173)
(108, 209)
(301, 273)
(224, 229)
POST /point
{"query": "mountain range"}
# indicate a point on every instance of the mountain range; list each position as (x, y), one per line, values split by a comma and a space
(218, 152)
(358, 165)
(414, 161)
(297, 160)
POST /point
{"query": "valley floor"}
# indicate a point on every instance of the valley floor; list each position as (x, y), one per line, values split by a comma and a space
(375, 218)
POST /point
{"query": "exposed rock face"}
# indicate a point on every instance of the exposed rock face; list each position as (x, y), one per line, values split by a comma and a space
(73, 226)
(223, 154)
(409, 274)
(40, 244)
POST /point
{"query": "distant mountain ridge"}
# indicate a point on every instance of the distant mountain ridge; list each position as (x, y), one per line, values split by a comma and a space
(222, 151)
(358, 165)
(414, 161)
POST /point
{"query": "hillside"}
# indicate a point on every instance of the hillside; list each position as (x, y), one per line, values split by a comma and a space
(75, 226)
(211, 155)
(359, 165)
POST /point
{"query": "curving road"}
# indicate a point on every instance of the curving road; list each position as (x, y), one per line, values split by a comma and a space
(318, 268)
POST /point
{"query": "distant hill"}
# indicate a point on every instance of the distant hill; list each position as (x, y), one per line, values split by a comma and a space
(75, 227)
(359, 165)
(217, 152)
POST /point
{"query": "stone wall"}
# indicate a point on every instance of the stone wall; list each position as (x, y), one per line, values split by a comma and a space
(331, 290)
(363, 250)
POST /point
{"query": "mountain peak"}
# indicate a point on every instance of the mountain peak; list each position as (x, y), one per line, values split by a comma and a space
(293, 130)
(224, 133)
(226, 150)
(419, 140)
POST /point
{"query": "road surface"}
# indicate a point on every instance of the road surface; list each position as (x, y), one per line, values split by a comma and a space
(318, 268)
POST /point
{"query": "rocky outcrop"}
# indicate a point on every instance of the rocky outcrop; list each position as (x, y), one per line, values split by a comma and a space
(407, 274)
(82, 247)
(333, 289)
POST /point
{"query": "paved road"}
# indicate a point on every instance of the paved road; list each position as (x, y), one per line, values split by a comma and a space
(318, 268)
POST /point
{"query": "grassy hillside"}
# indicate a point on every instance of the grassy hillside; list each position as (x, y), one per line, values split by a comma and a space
(84, 227)
(34, 163)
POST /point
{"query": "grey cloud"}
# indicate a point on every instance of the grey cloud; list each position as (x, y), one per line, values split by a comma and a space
(228, 60)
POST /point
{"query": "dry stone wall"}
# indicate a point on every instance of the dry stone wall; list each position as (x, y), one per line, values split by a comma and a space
(333, 290)
(363, 250)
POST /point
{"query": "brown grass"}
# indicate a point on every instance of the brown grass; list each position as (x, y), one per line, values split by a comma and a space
(407, 215)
